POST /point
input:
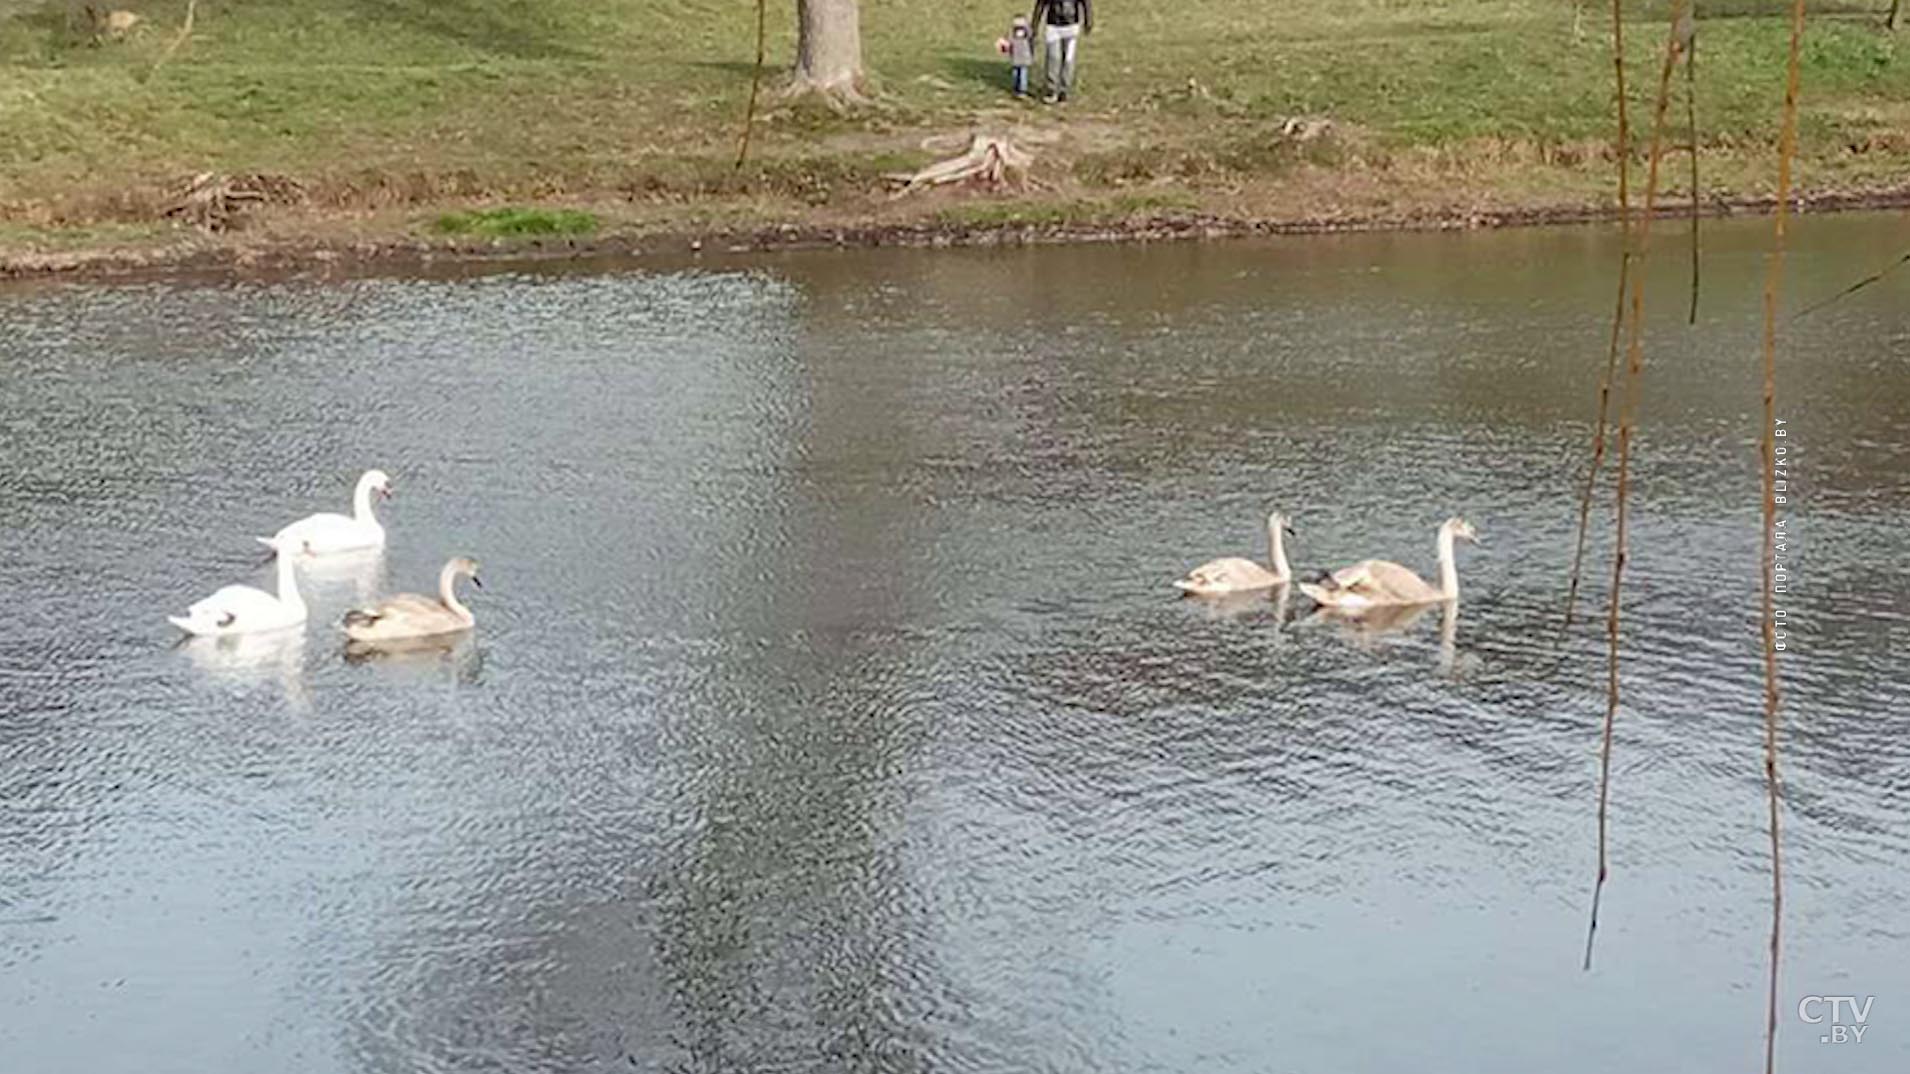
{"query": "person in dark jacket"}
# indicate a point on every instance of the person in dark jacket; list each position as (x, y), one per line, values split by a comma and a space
(1066, 22)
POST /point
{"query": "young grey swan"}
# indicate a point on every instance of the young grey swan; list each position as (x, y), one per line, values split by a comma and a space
(409, 615)
(1373, 582)
(1236, 575)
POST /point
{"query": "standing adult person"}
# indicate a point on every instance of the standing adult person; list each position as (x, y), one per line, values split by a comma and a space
(1066, 21)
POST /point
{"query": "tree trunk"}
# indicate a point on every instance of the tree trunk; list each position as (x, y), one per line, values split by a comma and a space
(829, 49)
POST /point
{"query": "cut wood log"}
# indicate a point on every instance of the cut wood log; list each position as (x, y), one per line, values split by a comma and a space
(213, 201)
(990, 161)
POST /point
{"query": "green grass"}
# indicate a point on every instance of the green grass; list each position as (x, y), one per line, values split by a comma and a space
(512, 222)
(376, 102)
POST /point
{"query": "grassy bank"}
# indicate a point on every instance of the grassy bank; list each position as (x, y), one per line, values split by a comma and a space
(377, 118)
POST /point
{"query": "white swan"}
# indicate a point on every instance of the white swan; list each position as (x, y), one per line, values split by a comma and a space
(1235, 575)
(1373, 582)
(409, 615)
(241, 609)
(322, 534)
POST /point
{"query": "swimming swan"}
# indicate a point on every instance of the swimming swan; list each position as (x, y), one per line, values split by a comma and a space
(322, 534)
(1372, 582)
(241, 609)
(409, 615)
(1236, 575)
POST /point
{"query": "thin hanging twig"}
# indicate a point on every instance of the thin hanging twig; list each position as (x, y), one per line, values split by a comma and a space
(1598, 433)
(1874, 277)
(1690, 34)
(1621, 150)
(1773, 281)
(755, 84)
(1627, 423)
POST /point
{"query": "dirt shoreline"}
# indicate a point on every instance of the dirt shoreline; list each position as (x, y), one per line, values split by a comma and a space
(240, 252)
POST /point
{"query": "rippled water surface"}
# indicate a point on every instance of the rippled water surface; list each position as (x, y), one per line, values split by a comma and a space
(830, 709)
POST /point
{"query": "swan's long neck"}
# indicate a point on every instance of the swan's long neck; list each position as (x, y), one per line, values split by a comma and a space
(448, 592)
(1448, 573)
(288, 582)
(361, 501)
(1278, 554)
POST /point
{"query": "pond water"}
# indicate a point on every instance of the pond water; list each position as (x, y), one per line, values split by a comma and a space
(830, 707)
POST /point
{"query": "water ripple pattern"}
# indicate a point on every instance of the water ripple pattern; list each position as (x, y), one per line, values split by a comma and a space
(830, 709)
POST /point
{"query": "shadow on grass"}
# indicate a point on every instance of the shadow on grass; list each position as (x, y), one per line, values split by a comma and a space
(990, 74)
(43, 32)
(1764, 9)
(745, 68)
(500, 29)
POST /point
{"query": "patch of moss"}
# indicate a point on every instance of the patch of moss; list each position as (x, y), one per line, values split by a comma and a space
(512, 221)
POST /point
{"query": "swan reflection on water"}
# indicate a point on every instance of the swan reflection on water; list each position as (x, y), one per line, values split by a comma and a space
(457, 653)
(247, 660)
(1370, 628)
(354, 577)
(1232, 606)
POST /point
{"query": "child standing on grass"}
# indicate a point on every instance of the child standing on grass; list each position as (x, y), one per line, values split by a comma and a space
(1020, 47)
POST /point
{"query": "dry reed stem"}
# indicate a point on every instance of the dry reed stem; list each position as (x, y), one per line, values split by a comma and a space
(185, 31)
(1627, 423)
(1773, 281)
(1622, 152)
(1604, 409)
(1691, 136)
(755, 83)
